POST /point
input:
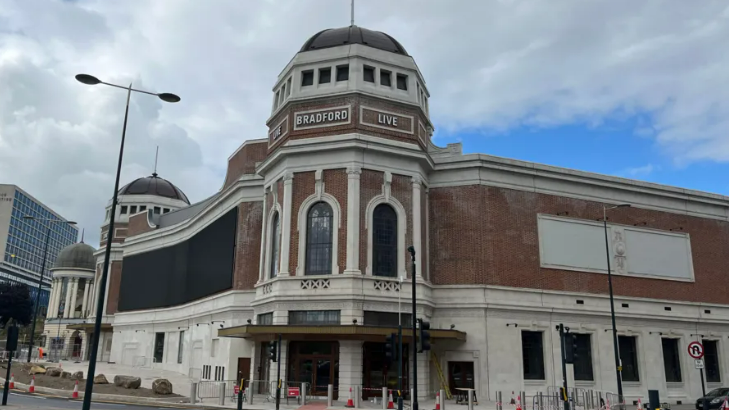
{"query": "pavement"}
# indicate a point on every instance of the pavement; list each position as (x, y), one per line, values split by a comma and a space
(24, 401)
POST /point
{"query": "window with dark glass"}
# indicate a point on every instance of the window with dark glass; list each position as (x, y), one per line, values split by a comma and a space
(156, 210)
(307, 78)
(180, 346)
(314, 317)
(388, 319)
(132, 209)
(384, 241)
(159, 347)
(533, 355)
(385, 78)
(369, 74)
(265, 319)
(402, 82)
(343, 72)
(319, 242)
(711, 361)
(629, 358)
(325, 75)
(671, 360)
(123, 209)
(583, 363)
(275, 243)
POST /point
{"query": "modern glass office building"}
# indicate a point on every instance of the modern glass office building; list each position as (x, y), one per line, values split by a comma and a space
(22, 241)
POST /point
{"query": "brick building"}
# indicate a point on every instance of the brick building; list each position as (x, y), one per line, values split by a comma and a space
(309, 234)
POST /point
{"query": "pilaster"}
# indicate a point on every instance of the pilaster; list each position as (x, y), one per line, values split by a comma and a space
(353, 220)
(264, 229)
(85, 302)
(67, 302)
(52, 308)
(424, 392)
(74, 294)
(417, 225)
(350, 366)
(286, 224)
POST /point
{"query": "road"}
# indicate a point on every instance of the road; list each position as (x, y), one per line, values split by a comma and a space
(19, 401)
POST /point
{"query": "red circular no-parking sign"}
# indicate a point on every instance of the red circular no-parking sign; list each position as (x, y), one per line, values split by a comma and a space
(696, 350)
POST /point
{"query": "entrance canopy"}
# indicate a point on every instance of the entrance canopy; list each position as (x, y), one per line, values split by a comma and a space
(342, 332)
(89, 327)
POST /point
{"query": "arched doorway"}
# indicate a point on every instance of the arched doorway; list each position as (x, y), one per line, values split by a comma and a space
(76, 343)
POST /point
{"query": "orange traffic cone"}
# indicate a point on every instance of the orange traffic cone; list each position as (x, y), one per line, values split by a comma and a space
(518, 402)
(12, 381)
(390, 404)
(74, 395)
(437, 400)
(31, 389)
(350, 402)
(725, 405)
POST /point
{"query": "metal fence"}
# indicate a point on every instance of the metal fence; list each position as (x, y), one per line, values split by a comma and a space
(259, 391)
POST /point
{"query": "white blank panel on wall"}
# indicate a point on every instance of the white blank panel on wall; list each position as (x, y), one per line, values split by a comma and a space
(578, 244)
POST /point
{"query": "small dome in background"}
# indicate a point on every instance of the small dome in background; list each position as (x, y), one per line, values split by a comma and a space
(154, 185)
(334, 37)
(76, 256)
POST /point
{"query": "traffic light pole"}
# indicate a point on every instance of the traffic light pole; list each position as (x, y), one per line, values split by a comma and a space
(278, 374)
(564, 367)
(414, 399)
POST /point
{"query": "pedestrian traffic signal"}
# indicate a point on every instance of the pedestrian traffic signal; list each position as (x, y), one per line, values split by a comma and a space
(424, 338)
(391, 347)
(570, 348)
(272, 347)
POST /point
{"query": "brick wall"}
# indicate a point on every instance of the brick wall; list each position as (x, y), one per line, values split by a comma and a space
(303, 186)
(488, 235)
(335, 184)
(117, 225)
(355, 101)
(138, 224)
(244, 161)
(112, 301)
(402, 190)
(370, 186)
(248, 245)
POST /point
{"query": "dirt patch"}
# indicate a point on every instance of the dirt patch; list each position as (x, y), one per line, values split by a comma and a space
(20, 370)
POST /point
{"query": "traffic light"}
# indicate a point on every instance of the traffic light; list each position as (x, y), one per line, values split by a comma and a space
(570, 348)
(272, 346)
(391, 347)
(424, 338)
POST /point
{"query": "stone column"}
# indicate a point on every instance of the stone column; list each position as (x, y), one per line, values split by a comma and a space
(52, 299)
(424, 392)
(74, 293)
(264, 229)
(67, 307)
(417, 228)
(85, 301)
(353, 183)
(350, 366)
(273, 369)
(286, 224)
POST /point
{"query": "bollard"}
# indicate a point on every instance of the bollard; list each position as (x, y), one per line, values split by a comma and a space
(411, 398)
(303, 393)
(249, 393)
(358, 397)
(193, 393)
(540, 401)
(221, 394)
(441, 397)
(330, 395)
(384, 398)
(470, 399)
(499, 403)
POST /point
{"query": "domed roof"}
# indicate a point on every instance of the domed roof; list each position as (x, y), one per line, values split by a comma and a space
(154, 185)
(353, 35)
(76, 256)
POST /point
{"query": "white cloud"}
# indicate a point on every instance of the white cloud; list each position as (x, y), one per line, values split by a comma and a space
(638, 172)
(489, 65)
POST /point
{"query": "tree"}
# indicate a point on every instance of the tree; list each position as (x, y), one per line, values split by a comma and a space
(15, 304)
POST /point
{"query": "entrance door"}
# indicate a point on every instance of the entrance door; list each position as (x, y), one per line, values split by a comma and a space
(378, 372)
(460, 375)
(316, 363)
(244, 368)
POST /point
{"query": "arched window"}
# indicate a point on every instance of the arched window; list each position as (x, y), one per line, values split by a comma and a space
(319, 239)
(384, 241)
(275, 244)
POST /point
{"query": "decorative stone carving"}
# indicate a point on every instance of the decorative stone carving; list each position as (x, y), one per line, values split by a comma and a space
(354, 170)
(619, 250)
(387, 186)
(267, 288)
(315, 284)
(386, 285)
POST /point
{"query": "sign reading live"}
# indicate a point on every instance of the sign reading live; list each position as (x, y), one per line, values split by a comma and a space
(386, 120)
(279, 130)
(321, 118)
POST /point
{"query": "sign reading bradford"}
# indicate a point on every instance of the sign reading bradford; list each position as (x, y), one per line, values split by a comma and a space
(321, 118)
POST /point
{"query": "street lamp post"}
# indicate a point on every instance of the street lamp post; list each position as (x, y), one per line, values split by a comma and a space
(612, 302)
(42, 272)
(167, 97)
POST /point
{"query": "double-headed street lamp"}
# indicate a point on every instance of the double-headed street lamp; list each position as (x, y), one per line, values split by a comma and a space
(612, 302)
(42, 272)
(167, 97)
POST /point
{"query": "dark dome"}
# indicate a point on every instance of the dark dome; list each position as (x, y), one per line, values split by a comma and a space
(153, 185)
(334, 37)
(76, 256)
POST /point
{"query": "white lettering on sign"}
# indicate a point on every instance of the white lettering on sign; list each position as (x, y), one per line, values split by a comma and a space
(385, 119)
(322, 117)
(276, 133)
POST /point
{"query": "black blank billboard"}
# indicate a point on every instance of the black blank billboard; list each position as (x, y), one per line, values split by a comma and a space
(177, 274)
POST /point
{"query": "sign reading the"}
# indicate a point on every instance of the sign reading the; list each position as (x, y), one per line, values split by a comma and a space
(696, 350)
(321, 118)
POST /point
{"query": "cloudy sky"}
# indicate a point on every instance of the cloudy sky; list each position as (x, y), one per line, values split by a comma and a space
(623, 87)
